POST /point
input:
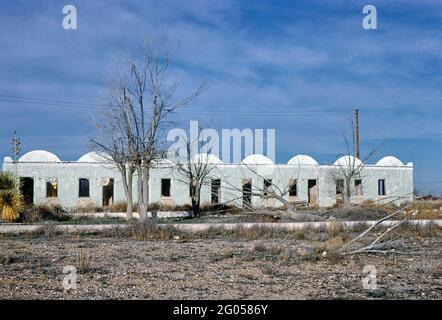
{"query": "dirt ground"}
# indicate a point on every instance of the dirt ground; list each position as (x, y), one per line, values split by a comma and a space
(109, 268)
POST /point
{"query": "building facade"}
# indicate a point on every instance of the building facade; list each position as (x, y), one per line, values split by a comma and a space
(94, 180)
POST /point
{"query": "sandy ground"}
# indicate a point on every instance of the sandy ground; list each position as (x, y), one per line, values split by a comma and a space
(197, 269)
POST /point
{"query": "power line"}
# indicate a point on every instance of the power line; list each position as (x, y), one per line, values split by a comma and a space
(85, 105)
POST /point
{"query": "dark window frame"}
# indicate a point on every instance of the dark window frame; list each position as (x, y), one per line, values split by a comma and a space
(215, 188)
(381, 187)
(165, 187)
(293, 188)
(267, 185)
(50, 186)
(84, 188)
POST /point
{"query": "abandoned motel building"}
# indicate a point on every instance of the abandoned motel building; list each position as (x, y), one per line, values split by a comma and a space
(93, 180)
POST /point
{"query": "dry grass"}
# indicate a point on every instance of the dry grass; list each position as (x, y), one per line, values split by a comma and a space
(83, 262)
(46, 211)
(170, 256)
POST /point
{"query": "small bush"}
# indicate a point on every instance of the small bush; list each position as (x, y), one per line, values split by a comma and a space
(149, 229)
(44, 212)
(258, 247)
(83, 262)
(47, 230)
(227, 253)
(284, 256)
(7, 181)
(170, 256)
(299, 234)
(11, 204)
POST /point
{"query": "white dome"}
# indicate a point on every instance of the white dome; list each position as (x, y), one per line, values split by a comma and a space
(389, 162)
(39, 156)
(348, 161)
(94, 157)
(206, 158)
(302, 159)
(163, 163)
(257, 159)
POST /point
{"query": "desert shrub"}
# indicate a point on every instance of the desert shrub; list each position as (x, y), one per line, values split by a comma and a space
(431, 209)
(83, 262)
(118, 206)
(149, 229)
(275, 249)
(88, 207)
(170, 256)
(47, 230)
(259, 247)
(334, 229)
(227, 253)
(299, 234)
(284, 257)
(7, 181)
(44, 212)
(11, 204)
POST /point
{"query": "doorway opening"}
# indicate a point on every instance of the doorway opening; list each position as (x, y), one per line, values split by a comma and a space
(27, 190)
(312, 192)
(108, 192)
(247, 193)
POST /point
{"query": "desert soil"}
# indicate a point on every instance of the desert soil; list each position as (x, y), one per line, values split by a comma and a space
(175, 269)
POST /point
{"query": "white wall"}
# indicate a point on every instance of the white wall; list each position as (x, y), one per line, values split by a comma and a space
(399, 181)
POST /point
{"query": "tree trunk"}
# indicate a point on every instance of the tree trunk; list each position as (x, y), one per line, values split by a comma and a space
(143, 191)
(347, 192)
(127, 186)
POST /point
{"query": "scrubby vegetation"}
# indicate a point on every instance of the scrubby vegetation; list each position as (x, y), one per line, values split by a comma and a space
(11, 201)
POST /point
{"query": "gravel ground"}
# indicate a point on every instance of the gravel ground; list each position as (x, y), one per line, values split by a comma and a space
(211, 269)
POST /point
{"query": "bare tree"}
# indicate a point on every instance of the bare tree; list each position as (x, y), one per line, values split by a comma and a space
(115, 138)
(344, 174)
(196, 171)
(267, 190)
(146, 95)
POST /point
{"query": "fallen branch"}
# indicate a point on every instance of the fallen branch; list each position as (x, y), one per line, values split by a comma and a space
(373, 244)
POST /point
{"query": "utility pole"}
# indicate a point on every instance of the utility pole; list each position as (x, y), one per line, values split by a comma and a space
(358, 147)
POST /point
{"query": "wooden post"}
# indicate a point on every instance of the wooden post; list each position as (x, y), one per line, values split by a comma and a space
(358, 148)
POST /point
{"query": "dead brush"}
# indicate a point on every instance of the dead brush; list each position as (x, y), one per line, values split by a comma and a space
(47, 230)
(170, 256)
(334, 229)
(83, 262)
(284, 257)
(299, 234)
(149, 229)
(259, 247)
(227, 253)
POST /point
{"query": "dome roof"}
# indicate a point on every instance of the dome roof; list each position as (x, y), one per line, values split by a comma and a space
(302, 159)
(94, 157)
(256, 159)
(162, 163)
(389, 162)
(348, 161)
(39, 156)
(206, 158)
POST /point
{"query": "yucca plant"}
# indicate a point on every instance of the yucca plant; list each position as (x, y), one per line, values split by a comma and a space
(11, 204)
(7, 181)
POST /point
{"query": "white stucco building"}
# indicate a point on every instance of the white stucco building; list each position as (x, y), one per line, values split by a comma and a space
(91, 179)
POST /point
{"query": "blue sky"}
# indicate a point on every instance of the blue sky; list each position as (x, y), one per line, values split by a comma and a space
(258, 56)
